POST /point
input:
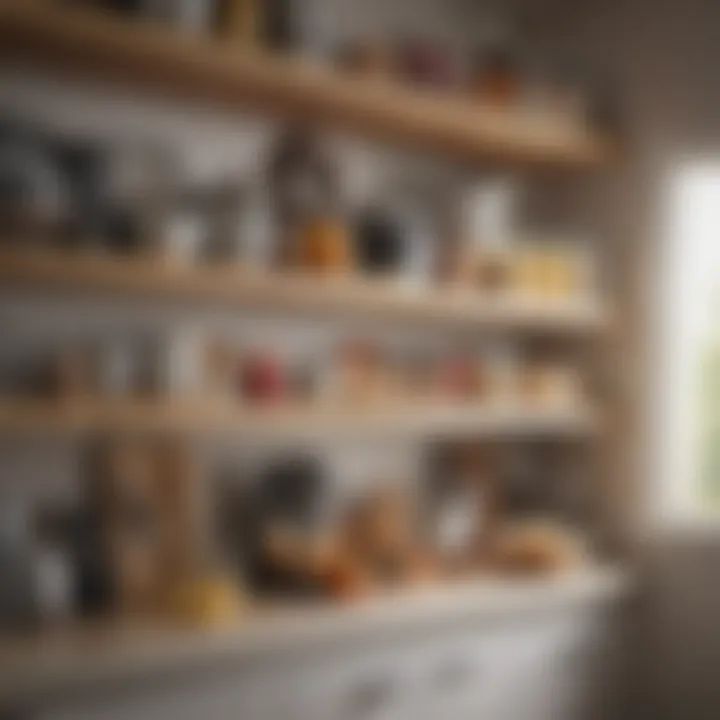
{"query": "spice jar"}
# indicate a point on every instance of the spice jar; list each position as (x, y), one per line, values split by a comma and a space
(262, 378)
(486, 232)
(304, 186)
(323, 244)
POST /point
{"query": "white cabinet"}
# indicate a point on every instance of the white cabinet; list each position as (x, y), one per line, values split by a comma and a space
(540, 669)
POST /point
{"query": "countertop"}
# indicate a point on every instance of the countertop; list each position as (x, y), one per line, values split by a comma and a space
(40, 668)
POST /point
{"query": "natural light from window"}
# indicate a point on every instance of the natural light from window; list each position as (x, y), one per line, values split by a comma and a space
(691, 384)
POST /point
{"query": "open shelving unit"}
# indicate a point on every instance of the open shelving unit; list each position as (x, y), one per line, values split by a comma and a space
(164, 62)
(161, 62)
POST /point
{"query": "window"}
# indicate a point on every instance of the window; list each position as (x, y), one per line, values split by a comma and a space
(690, 447)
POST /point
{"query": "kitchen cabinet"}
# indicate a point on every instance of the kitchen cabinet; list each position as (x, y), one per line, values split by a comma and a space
(536, 668)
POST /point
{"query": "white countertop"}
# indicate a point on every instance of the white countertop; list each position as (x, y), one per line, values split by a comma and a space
(40, 668)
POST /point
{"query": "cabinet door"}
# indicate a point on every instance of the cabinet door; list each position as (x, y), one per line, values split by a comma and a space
(543, 669)
(372, 684)
(456, 681)
(554, 677)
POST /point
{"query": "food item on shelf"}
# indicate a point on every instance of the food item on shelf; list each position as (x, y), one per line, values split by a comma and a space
(539, 546)
(130, 516)
(262, 378)
(348, 580)
(378, 541)
(484, 270)
(486, 232)
(210, 601)
(304, 185)
(552, 270)
(550, 383)
(150, 514)
(195, 221)
(396, 238)
(490, 270)
(284, 543)
(379, 243)
(461, 377)
(184, 504)
(539, 274)
(323, 244)
(461, 505)
(497, 78)
(39, 574)
(527, 275)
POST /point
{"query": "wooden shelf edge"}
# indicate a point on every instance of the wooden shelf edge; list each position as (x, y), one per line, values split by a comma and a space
(156, 59)
(295, 294)
(21, 416)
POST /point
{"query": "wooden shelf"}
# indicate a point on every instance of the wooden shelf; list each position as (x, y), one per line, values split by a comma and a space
(47, 668)
(289, 294)
(162, 61)
(424, 420)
